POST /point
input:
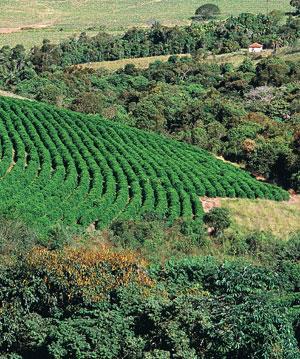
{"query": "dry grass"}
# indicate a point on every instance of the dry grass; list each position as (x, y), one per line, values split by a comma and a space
(141, 63)
(234, 58)
(279, 218)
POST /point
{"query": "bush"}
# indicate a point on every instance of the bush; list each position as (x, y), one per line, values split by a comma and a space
(218, 219)
(15, 237)
(194, 230)
(88, 304)
(207, 11)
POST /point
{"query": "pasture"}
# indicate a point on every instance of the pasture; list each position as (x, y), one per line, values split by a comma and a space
(280, 219)
(29, 22)
(235, 58)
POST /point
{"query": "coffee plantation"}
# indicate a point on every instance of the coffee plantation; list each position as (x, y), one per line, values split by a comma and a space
(62, 167)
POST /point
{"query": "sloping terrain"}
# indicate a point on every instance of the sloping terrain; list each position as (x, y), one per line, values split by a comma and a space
(116, 14)
(29, 22)
(282, 219)
(11, 94)
(64, 167)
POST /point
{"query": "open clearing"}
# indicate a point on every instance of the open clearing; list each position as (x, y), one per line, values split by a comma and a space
(59, 19)
(140, 62)
(235, 58)
(10, 94)
(279, 218)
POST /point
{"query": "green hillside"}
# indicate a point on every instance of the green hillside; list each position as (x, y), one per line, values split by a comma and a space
(59, 166)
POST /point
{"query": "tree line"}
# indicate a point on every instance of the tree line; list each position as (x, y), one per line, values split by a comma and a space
(214, 36)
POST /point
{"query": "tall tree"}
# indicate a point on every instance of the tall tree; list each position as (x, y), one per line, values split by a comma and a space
(207, 11)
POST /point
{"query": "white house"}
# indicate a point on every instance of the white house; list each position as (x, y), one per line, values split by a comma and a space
(256, 47)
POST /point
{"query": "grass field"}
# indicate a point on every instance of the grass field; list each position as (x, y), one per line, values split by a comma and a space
(58, 19)
(280, 218)
(143, 62)
(10, 94)
(140, 62)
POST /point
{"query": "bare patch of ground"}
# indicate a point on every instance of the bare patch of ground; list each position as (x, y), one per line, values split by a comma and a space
(10, 30)
(210, 203)
(10, 94)
(294, 200)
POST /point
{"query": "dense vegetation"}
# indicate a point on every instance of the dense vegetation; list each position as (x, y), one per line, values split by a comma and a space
(159, 279)
(217, 36)
(65, 167)
(106, 303)
(248, 114)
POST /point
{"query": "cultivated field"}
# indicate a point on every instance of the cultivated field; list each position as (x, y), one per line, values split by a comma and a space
(30, 21)
(62, 167)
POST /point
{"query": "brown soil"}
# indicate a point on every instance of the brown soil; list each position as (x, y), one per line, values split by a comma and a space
(7, 30)
(295, 199)
(210, 203)
(91, 228)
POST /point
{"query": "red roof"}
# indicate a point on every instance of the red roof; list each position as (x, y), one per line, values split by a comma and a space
(256, 45)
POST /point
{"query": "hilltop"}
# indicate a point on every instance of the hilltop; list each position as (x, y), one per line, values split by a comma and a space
(56, 20)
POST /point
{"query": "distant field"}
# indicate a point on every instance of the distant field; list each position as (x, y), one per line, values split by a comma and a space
(58, 19)
(140, 62)
(143, 62)
(279, 218)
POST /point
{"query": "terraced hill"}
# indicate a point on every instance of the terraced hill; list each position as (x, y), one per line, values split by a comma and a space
(59, 166)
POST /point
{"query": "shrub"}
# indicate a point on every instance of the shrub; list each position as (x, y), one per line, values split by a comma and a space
(15, 237)
(194, 230)
(207, 11)
(218, 219)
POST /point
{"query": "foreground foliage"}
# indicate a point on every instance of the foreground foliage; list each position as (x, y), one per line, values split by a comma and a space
(105, 304)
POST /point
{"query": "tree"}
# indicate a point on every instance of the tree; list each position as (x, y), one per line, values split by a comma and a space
(89, 102)
(273, 71)
(296, 4)
(149, 117)
(218, 219)
(207, 11)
